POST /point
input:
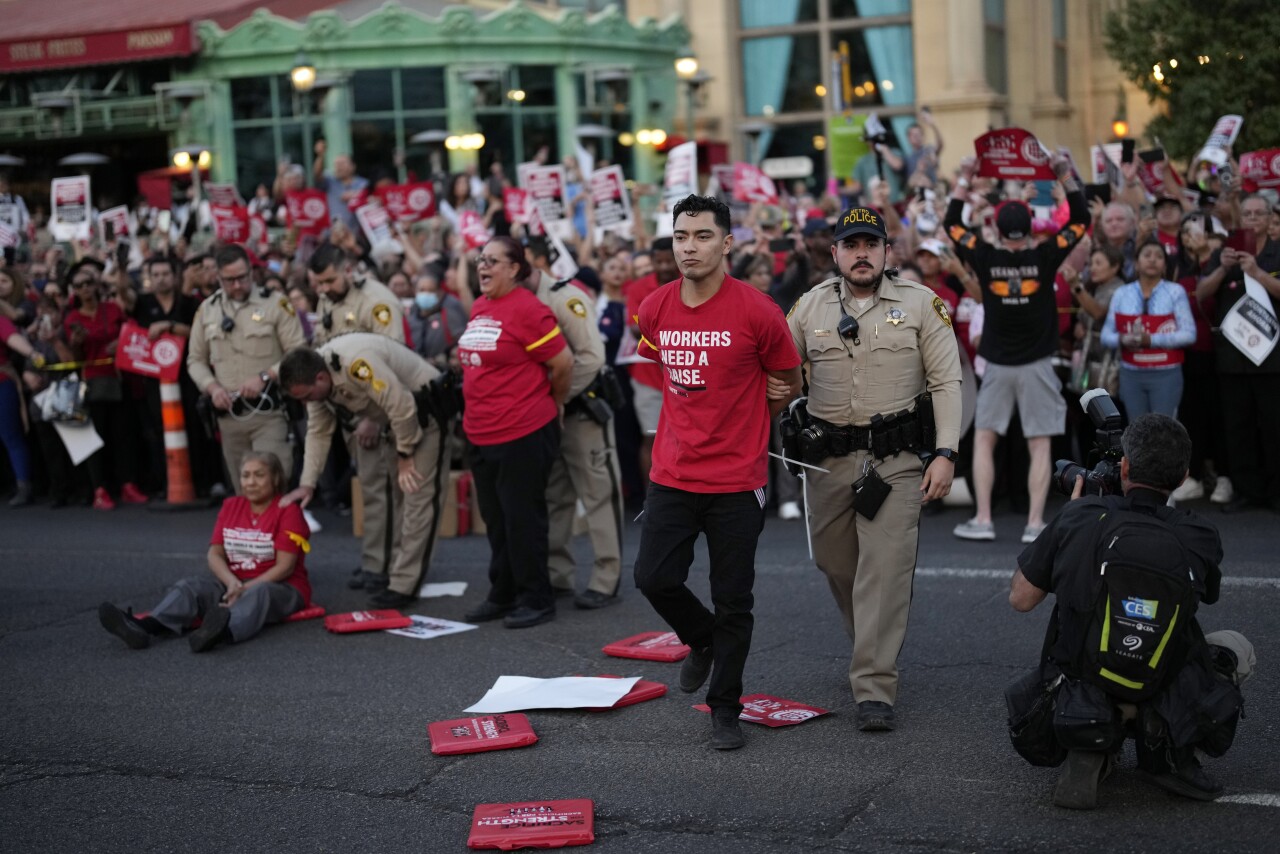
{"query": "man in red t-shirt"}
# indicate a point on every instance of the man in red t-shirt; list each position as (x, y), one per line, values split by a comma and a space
(718, 340)
(646, 379)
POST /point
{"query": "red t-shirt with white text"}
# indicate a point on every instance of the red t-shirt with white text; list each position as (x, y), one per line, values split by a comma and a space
(101, 331)
(504, 380)
(635, 292)
(251, 544)
(713, 434)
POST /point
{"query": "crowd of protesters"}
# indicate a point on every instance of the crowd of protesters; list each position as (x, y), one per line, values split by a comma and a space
(1137, 306)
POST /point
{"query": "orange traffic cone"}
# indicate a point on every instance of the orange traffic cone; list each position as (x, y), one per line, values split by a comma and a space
(181, 492)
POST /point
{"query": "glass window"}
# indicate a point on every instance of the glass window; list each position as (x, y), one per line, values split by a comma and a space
(776, 13)
(372, 91)
(422, 88)
(373, 146)
(875, 68)
(799, 140)
(255, 158)
(781, 74)
(843, 9)
(499, 143)
(1060, 48)
(538, 83)
(995, 51)
(251, 98)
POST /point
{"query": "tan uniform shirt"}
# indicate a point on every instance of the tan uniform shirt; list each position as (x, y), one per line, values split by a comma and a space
(906, 347)
(265, 329)
(576, 314)
(368, 308)
(373, 377)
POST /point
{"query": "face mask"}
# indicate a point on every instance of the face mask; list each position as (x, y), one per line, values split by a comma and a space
(275, 266)
(39, 284)
(426, 301)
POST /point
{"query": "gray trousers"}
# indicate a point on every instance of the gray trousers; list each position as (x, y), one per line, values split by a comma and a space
(257, 606)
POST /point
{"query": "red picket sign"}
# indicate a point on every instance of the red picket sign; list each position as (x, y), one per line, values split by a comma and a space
(136, 353)
(772, 711)
(231, 223)
(480, 734)
(308, 211)
(1012, 154)
(649, 646)
(408, 202)
(473, 229)
(533, 824)
(750, 184)
(640, 692)
(367, 621)
(515, 204)
(1260, 169)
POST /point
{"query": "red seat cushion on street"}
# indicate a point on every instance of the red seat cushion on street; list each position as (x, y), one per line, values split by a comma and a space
(649, 646)
(533, 824)
(367, 621)
(481, 733)
(639, 693)
(772, 711)
(311, 612)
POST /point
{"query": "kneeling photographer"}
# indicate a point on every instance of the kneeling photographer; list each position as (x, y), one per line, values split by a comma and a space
(1123, 655)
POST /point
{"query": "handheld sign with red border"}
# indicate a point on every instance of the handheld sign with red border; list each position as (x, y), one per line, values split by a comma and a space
(408, 202)
(308, 211)
(473, 229)
(230, 223)
(533, 824)
(70, 216)
(224, 195)
(1260, 169)
(375, 222)
(515, 205)
(612, 205)
(1012, 154)
(1217, 148)
(750, 184)
(118, 219)
(649, 646)
(680, 177)
(160, 359)
(480, 734)
(772, 711)
(549, 193)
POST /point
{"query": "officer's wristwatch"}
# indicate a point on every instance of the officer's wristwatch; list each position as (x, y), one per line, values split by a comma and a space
(948, 454)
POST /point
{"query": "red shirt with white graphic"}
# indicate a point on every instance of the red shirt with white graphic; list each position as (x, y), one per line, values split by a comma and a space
(251, 542)
(635, 292)
(505, 383)
(713, 435)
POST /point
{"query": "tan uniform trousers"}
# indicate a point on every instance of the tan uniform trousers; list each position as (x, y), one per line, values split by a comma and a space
(418, 515)
(375, 469)
(870, 564)
(266, 431)
(586, 470)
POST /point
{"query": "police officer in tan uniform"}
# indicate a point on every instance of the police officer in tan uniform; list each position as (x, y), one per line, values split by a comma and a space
(587, 468)
(873, 344)
(351, 305)
(237, 339)
(370, 376)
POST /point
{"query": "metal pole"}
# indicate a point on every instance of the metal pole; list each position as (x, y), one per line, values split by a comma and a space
(308, 155)
(688, 118)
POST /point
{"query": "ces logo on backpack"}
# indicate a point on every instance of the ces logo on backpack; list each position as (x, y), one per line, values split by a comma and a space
(1142, 609)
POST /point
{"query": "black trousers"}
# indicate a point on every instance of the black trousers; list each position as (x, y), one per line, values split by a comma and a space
(1251, 416)
(1201, 413)
(511, 487)
(732, 523)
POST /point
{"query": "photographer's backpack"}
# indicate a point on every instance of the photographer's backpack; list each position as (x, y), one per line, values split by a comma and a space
(1141, 624)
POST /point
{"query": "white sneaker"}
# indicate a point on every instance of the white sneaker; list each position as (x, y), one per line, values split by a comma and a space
(1223, 493)
(789, 510)
(1190, 490)
(1030, 533)
(312, 522)
(975, 530)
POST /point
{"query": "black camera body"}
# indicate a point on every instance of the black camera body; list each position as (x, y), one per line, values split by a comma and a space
(1104, 476)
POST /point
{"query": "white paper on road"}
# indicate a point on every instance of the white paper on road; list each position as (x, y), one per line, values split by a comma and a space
(432, 589)
(80, 440)
(426, 628)
(515, 693)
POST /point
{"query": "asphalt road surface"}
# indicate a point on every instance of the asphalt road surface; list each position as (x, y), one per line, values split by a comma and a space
(307, 741)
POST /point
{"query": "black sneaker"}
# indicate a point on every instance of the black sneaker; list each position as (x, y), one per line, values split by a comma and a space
(525, 617)
(1189, 780)
(726, 732)
(486, 611)
(1077, 788)
(212, 631)
(356, 581)
(875, 716)
(389, 598)
(124, 626)
(590, 600)
(695, 669)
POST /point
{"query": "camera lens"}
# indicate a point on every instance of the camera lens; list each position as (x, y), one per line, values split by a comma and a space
(1065, 473)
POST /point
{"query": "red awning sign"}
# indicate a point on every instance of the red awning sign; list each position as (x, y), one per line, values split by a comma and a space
(121, 46)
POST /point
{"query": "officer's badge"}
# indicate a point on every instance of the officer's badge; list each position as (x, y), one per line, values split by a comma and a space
(895, 316)
(382, 314)
(351, 317)
(575, 305)
(286, 305)
(941, 308)
(361, 371)
(256, 317)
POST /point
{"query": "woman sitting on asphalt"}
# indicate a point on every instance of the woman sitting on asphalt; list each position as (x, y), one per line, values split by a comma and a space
(258, 572)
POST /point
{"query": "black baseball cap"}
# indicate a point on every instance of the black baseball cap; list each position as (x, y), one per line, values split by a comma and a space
(1013, 220)
(1167, 200)
(815, 225)
(861, 221)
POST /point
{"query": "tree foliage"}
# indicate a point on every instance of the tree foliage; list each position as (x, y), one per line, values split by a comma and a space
(1241, 39)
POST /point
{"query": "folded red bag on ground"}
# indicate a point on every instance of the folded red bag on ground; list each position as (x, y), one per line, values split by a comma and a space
(649, 646)
(366, 621)
(772, 711)
(533, 824)
(311, 612)
(641, 691)
(481, 733)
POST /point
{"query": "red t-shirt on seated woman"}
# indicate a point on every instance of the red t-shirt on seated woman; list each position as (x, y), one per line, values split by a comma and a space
(251, 542)
(505, 382)
(101, 331)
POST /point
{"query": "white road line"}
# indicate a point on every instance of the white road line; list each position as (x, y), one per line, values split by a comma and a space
(1005, 574)
(1258, 799)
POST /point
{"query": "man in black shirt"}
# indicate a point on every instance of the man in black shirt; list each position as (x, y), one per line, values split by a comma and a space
(1015, 284)
(1064, 560)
